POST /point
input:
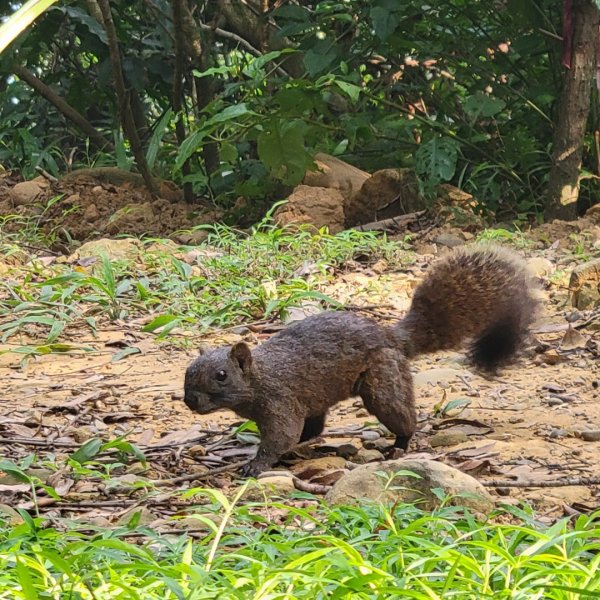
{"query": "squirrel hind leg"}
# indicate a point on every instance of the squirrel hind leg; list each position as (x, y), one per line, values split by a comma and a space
(313, 427)
(386, 389)
(497, 345)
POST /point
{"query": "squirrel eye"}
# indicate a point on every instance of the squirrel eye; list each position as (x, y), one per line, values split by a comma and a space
(221, 375)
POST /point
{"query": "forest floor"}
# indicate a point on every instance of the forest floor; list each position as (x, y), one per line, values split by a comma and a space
(102, 375)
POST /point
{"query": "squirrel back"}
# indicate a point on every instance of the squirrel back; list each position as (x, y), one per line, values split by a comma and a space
(288, 383)
(482, 293)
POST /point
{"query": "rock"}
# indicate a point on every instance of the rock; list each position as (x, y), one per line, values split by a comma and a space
(448, 438)
(387, 193)
(192, 238)
(343, 449)
(449, 240)
(364, 483)
(305, 468)
(590, 435)
(91, 212)
(346, 450)
(366, 455)
(25, 193)
(336, 174)
(316, 206)
(282, 484)
(123, 249)
(370, 435)
(540, 266)
(362, 412)
(380, 444)
(584, 285)
(593, 213)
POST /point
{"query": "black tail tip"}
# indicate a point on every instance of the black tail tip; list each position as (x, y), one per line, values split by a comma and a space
(496, 346)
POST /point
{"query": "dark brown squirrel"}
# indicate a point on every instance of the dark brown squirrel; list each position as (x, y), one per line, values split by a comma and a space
(288, 383)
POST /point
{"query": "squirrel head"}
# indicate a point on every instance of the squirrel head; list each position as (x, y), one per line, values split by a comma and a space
(218, 379)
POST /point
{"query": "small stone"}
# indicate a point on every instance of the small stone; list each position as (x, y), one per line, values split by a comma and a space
(24, 193)
(558, 433)
(346, 450)
(590, 435)
(365, 455)
(449, 240)
(81, 434)
(554, 401)
(380, 444)
(369, 435)
(282, 484)
(362, 412)
(448, 438)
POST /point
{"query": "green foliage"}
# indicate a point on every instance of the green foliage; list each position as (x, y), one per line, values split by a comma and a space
(372, 551)
(459, 91)
(231, 278)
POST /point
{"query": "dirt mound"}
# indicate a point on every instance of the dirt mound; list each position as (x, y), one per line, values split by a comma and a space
(98, 203)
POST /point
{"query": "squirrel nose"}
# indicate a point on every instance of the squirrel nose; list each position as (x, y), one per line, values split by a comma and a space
(190, 399)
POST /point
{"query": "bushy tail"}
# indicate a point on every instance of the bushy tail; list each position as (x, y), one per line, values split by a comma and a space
(481, 293)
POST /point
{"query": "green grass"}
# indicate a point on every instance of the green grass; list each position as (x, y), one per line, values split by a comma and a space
(236, 277)
(272, 551)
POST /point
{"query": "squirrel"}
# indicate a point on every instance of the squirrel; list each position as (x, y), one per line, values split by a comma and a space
(288, 383)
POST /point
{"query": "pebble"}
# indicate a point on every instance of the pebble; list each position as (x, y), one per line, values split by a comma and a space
(365, 455)
(369, 435)
(558, 433)
(554, 402)
(448, 438)
(590, 435)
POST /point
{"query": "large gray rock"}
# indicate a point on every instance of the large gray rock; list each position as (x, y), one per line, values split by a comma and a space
(367, 483)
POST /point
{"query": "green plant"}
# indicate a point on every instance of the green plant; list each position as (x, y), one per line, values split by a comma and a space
(275, 550)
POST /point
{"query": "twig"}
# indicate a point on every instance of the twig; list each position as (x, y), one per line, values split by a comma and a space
(567, 481)
(399, 222)
(193, 476)
(242, 42)
(45, 174)
(311, 488)
(63, 107)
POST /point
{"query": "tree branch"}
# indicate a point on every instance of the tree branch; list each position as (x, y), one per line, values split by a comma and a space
(178, 75)
(63, 107)
(125, 113)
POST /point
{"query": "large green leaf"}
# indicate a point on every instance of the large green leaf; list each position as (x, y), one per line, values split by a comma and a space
(21, 20)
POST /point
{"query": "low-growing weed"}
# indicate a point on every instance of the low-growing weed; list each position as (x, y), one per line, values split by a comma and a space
(273, 550)
(232, 277)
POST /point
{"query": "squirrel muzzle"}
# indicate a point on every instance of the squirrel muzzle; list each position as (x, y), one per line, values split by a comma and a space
(199, 402)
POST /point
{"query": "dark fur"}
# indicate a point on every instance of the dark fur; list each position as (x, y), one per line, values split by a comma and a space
(288, 383)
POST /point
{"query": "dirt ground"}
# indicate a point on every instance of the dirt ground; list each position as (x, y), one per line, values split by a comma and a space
(538, 421)
(102, 202)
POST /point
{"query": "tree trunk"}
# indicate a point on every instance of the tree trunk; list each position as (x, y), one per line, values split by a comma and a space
(574, 106)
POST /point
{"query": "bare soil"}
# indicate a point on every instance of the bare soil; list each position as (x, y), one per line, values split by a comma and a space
(526, 425)
(105, 202)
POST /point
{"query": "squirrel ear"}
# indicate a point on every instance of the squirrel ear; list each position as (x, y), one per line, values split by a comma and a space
(241, 354)
(203, 349)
